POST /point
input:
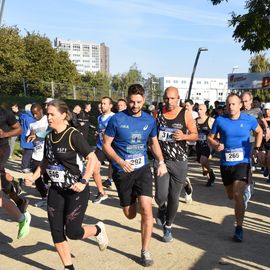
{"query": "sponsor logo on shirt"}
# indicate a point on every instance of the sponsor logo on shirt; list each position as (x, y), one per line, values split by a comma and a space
(145, 127)
(61, 150)
(124, 126)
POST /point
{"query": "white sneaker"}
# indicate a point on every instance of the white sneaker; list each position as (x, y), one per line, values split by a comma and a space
(41, 203)
(102, 237)
(188, 198)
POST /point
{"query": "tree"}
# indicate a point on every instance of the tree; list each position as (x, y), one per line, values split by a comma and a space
(252, 28)
(12, 60)
(153, 90)
(259, 63)
(96, 85)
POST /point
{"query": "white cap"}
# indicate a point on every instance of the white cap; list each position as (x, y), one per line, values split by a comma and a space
(48, 100)
(267, 106)
(151, 108)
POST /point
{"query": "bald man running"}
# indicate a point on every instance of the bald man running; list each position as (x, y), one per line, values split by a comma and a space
(173, 123)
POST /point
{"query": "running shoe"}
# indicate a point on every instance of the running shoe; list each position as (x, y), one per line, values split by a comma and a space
(268, 179)
(102, 237)
(167, 237)
(24, 226)
(265, 172)
(23, 204)
(161, 217)
(41, 203)
(238, 234)
(100, 197)
(146, 258)
(211, 179)
(107, 183)
(189, 191)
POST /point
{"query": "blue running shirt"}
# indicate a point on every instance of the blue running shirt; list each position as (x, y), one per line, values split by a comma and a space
(103, 121)
(234, 134)
(131, 135)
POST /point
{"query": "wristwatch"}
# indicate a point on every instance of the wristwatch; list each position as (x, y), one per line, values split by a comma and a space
(83, 181)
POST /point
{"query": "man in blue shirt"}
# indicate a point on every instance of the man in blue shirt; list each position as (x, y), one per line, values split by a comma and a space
(234, 131)
(125, 143)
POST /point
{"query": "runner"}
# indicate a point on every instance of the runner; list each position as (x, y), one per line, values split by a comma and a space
(234, 130)
(247, 99)
(38, 131)
(69, 192)
(204, 124)
(125, 143)
(103, 119)
(9, 127)
(175, 127)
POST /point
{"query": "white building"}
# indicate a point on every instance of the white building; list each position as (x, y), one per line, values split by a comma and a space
(203, 89)
(87, 56)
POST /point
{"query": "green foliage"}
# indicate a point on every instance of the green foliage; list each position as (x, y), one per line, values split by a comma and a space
(12, 59)
(252, 28)
(121, 82)
(259, 63)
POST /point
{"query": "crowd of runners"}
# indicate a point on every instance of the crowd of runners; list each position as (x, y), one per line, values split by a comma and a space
(142, 149)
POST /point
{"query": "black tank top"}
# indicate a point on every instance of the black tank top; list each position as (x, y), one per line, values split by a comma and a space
(65, 165)
(171, 149)
(203, 132)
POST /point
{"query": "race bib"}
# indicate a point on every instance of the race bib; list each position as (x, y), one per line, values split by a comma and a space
(166, 134)
(56, 173)
(136, 161)
(39, 146)
(236, 154)
(202, 137)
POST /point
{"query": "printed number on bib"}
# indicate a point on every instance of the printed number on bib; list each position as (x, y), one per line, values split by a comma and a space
(234, 154)
(166, 134)
(56, 173)
(136, 161)
(202, 137)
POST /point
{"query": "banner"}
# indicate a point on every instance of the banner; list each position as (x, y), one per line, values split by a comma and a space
(238, 81)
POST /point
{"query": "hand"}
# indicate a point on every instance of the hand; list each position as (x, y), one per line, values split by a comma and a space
(219, 147)
(31, 138)
(2, 133)
(161, 169)
(179, 135)
(78, 187)
(126, 166)
(28, 180)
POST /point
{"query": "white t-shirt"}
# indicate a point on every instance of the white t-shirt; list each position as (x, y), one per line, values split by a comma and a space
(39, 127)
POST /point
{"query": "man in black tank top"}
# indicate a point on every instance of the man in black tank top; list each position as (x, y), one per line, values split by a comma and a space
(173, 123)
(204, 124)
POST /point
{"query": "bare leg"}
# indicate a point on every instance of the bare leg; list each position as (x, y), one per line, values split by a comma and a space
(146, 220)
(64, 252)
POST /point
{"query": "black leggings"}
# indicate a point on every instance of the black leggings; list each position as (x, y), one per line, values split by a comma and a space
(66, 210)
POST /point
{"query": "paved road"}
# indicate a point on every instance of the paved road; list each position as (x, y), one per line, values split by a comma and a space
(202, 234)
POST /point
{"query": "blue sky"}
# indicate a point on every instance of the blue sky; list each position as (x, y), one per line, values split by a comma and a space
(161, 37)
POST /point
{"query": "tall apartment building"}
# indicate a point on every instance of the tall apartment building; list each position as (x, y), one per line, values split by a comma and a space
(87, 56)
(203, 89)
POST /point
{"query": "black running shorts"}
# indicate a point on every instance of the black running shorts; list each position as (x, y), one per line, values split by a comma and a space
(239, 172)
(132, 185)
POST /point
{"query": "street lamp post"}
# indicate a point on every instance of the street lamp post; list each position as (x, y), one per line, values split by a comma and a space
(2, 4)
(194, 69)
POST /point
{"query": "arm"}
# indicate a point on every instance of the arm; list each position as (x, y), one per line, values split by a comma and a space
(191, 127)
(109, 151)
(156, 151)
(214, 143)
(30, 179)
(16, 130)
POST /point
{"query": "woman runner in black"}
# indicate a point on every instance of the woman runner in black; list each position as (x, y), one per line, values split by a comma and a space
(69, 192)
